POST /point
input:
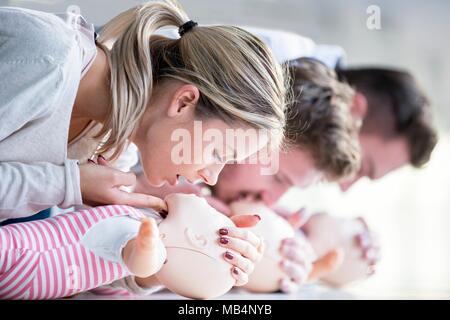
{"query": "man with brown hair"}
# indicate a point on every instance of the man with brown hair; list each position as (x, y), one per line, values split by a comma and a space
(396, 121)
(321, 139)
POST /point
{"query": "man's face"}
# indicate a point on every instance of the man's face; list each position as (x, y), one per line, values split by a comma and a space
(296, 168)
(379, 157)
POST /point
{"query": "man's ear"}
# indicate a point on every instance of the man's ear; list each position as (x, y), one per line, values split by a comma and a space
(359, 106)
(184, 101)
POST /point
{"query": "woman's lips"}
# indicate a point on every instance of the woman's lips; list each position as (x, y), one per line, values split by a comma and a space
(175, 181)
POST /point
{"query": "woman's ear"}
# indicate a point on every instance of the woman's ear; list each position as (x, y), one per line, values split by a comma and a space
(359, 106)
(184, 101)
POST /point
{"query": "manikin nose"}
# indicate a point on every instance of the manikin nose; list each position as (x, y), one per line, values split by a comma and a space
(211, 175)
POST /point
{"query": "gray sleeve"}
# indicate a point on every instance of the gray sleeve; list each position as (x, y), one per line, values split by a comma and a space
(32, 53)
(26, 189)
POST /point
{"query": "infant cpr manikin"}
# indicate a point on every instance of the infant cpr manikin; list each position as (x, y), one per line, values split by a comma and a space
(195, 266)
(326, 233)
(273, 229)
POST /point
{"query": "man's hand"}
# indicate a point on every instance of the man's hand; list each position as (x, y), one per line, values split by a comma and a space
(297, 254)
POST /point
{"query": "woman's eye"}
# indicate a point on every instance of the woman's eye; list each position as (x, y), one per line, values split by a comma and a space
(277, 178)
(218, 157)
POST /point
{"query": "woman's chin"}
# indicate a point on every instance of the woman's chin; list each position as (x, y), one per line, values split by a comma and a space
(156, 182)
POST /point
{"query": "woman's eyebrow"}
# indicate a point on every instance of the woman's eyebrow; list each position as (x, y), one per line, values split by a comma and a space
(286, 178)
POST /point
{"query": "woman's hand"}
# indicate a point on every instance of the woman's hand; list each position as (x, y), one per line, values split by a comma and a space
(101, 185)
(145, 255)
(245, 248)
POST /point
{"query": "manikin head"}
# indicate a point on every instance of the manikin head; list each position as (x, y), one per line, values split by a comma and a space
(396, 121)
(273, 229)
(222, 76)
(326, 233)
(195, 267)
(321, 139)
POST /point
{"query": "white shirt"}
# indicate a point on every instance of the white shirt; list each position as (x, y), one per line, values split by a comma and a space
(287, 46)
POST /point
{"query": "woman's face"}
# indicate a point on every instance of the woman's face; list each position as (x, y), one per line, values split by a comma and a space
(174, 143)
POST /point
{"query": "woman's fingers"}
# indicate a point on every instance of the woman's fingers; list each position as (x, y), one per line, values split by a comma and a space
(240, 276)
(246, 220)
(237, 260)
(245, 248)
(102, 161)
(120, 178)
(140, 200)
(242, 234)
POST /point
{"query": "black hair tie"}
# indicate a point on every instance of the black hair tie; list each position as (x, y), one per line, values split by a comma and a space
(185, 27)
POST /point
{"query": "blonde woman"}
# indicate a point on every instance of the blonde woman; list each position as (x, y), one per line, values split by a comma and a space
(65, 98)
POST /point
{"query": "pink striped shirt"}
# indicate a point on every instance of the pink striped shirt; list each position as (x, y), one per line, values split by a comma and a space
(45, 259)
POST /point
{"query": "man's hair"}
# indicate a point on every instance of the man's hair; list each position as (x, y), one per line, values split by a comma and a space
(320, 120)
(396, 106)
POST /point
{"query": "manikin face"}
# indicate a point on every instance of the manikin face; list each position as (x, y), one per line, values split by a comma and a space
(195, 266)
(379, 157)
(172, 142)
(296, 168)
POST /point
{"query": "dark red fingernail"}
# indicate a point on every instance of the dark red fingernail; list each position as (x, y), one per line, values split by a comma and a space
(257, 216)
(223, 232)
(223, 240)
(229, 256)
(91, 161)
(235, 271)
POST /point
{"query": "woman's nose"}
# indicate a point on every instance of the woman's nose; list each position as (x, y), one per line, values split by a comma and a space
(211, 174)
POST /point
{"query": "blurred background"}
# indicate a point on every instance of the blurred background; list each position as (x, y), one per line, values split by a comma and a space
(409, 209)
